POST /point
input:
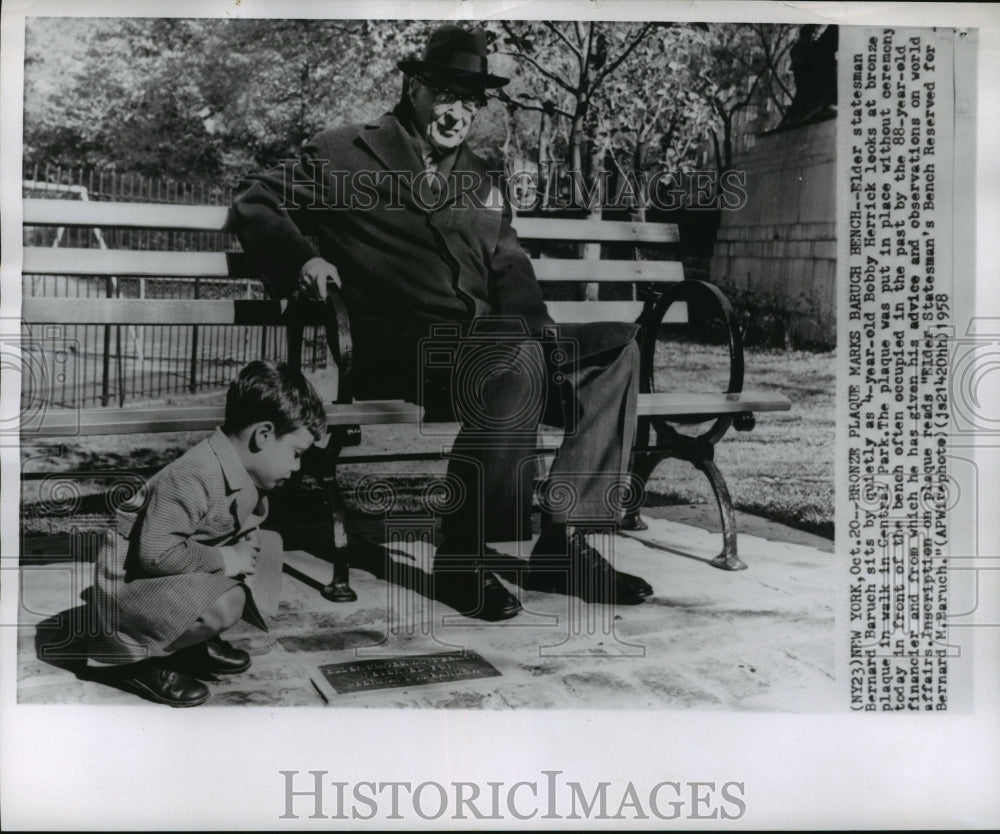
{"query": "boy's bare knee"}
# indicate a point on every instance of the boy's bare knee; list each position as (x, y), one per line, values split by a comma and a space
(235, 600)
(226, 611)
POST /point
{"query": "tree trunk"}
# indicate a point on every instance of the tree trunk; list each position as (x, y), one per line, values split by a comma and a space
(544, 162)
(638, 212)
(576, 158)
(505, 148)
(727, 142)
(595, 201)
(576, 133)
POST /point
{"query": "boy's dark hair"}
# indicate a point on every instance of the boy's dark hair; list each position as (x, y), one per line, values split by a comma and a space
(279, 393)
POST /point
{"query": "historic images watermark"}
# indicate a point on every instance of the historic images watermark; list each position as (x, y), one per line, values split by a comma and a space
(313, 184)
(313, 794)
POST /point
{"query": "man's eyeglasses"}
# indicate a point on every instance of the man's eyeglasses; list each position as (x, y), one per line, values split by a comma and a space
(448, 97)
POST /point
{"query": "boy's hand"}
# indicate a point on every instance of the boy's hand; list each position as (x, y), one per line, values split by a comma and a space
(240, 559)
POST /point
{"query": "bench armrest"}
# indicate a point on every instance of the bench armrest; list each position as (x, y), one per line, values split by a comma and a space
(698, 294)
(332, 316)
(337, 325)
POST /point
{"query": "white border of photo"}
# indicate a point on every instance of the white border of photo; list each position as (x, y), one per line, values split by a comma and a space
(147, 767)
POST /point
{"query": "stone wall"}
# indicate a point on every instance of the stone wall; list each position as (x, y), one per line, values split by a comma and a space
(776, 256)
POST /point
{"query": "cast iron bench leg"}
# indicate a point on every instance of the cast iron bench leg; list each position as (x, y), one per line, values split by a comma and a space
(727, 559)
(700, 455)
(339, 589)
(698, 450)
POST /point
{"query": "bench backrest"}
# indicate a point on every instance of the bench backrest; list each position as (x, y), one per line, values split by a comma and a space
(56, 260)
(182, 344)
(197, 313)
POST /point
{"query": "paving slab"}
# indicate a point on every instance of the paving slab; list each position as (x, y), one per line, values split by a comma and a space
(759, 639)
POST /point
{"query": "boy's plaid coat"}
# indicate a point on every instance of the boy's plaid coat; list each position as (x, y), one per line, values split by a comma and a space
(161, 567)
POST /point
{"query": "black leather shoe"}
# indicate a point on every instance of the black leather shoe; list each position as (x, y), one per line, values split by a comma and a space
(213, 657)
(475, 592)
(156, 682)
(580, 570)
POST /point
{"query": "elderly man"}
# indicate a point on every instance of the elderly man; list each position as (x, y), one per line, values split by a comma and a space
(412, 228)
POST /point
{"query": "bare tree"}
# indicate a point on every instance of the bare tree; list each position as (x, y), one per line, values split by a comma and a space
(565, 64)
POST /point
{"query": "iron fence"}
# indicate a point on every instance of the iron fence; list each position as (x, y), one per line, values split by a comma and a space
(117, 363)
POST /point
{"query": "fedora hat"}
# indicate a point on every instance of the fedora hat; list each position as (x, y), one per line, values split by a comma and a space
(455, 55)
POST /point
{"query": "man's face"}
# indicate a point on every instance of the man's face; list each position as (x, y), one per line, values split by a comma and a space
(276, 457)
(443, 123)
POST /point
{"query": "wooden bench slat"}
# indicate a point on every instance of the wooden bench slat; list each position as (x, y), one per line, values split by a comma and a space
(123, 262)
(565, 312)
(685, 404)
(56, 261)
(70, 422)
(150, 311)
(38, 212)
(160, 311)
(569, 269)
(598, 231)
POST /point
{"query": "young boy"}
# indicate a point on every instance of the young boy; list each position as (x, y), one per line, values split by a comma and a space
(170, 577)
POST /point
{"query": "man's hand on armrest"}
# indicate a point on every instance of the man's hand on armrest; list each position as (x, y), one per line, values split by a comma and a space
(314, 275)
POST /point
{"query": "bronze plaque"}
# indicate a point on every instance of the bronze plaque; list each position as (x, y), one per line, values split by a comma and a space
(418, 670)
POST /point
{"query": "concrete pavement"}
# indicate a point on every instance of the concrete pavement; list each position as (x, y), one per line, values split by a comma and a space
(760, 639)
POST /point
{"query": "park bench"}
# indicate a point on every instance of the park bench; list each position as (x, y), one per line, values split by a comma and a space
(658, 289)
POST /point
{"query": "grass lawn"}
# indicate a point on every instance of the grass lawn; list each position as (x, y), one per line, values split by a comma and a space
(782, 470)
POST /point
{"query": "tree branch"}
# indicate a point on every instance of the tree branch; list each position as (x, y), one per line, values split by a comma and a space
(559, 34)
(648, 124)
(784, 89)
(771, 61)
(778, 56)
(535, 108)
(547, 73)
(610, 68)
(749, 96)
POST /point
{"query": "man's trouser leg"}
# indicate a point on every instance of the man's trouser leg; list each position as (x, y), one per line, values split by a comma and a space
(587, 486)
(502, 393)
(594, 455)
(500, 433)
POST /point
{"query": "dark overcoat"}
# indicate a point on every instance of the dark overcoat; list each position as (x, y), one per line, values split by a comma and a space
(412, 248)
(402, 249)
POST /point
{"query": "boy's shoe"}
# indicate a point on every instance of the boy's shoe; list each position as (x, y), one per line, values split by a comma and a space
(156, 682)
(213, 657)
